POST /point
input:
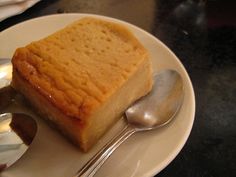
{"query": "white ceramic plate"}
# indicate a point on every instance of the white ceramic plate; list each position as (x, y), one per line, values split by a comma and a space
(144, 154)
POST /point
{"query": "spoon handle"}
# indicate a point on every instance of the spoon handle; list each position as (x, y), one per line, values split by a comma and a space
(94, 164)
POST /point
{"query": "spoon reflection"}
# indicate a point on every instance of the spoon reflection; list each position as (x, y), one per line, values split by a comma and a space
(17, 132)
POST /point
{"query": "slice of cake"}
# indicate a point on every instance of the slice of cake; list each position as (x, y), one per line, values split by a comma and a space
(83, 77)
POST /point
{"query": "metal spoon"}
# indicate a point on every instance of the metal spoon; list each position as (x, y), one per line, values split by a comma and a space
(153, 111)
(17, 132)
(5, 72)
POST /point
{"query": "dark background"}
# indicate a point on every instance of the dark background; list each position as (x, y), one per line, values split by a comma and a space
(203, 36)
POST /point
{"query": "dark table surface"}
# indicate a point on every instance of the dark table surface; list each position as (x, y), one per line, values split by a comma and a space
(203, 36)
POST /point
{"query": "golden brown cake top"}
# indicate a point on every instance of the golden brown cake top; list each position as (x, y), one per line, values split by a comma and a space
(80, 66)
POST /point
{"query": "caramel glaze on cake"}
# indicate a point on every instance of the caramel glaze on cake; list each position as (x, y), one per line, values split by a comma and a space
(83, 77)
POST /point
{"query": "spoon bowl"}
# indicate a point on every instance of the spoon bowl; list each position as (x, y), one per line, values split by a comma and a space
(159, 106)
(5, 72)
(17, 132)
(152, 111)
